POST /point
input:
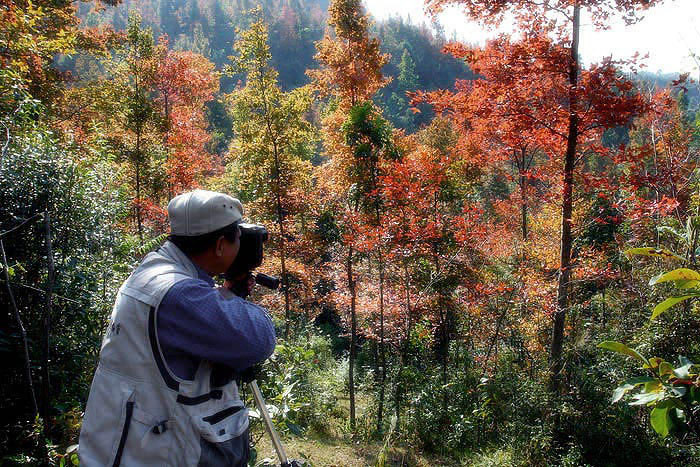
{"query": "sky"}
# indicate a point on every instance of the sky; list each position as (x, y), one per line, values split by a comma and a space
(668, 33)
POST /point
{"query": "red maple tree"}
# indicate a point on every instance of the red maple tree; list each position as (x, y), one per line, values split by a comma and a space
(538, 78)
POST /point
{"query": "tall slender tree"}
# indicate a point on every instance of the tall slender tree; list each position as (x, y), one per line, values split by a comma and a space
(350, 72)
(273, 140)
(574, 103)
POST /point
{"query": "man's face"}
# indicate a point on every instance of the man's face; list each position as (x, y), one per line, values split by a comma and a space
(227, 251)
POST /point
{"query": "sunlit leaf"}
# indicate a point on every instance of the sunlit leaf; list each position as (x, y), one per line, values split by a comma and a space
(654, 362)
(653, 386)
(678, 391)
(650, 251)
(661, 420)
(666, 228)
(622, 349)
(680, 274)
(646, 398)
(665, 368)
(687, 284)
(627, 386)
(679, 414)
(683, 372)
(668, 303)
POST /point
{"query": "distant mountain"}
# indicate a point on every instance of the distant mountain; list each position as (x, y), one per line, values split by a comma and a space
(208, 27)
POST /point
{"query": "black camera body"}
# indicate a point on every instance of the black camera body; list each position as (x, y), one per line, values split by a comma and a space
(250, 256)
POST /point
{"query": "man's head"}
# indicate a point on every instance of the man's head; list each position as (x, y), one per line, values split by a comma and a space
(204, 225)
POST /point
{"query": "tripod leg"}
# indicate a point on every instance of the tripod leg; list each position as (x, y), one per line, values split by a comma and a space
(260, 402)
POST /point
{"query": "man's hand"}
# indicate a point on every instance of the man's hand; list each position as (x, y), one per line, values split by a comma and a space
(242, 285)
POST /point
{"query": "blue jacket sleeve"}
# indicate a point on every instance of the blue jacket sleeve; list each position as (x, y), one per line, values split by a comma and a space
(195, 319)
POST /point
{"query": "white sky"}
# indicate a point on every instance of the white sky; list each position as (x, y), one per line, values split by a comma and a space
(668, 33)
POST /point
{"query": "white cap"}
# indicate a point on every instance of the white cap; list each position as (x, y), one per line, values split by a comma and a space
(199, 212)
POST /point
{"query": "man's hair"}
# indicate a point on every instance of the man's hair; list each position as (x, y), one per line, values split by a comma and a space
(200, 243)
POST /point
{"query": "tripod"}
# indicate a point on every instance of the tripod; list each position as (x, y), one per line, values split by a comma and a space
(274, 437)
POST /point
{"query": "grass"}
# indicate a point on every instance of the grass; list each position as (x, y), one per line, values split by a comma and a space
(323, 450)
(333, 446)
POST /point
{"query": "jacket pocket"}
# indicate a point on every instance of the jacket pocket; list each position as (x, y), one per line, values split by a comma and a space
(150, 440)
(224, 437)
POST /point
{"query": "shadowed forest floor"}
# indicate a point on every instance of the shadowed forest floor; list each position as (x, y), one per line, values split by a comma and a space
(338, 452)
(335, 447)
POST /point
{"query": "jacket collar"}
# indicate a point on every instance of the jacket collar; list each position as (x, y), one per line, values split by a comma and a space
(171, 250)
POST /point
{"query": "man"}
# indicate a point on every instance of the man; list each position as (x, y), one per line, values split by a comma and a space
(164, 391)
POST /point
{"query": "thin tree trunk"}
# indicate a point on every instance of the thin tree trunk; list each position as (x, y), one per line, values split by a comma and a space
(278, 201)
(403, 354)
(46, 338)
(22, 331)
(523, 195)
(353, 332)
(138, 131)
(523, 165)
(444, 346)
(283, 251)
(444, 341)
(382, 354)
(166, 136)
(139, 224)
(556, 363)
(382, 350)
(494, 341)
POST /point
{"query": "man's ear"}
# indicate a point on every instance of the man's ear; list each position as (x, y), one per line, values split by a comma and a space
(219, 247)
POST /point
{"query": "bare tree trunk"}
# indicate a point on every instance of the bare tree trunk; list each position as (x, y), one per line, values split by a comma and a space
(278, 200)
(139, 224)
(523, 195)
(382, 350)
(283, 251)
(555, 355)
(22, 331)
(403, 354)
(166, 136)
(46, 338)
(353, 336)
(444, 344)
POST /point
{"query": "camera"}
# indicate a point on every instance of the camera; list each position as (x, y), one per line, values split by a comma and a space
(250, 256)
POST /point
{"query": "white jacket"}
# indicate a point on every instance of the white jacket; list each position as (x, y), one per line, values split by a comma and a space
(139, 413)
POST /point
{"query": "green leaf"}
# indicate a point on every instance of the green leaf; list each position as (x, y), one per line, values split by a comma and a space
(627, 386)
(683, 372)
(294, 428)
(653, 386)
(695, 394)
(678, 391)
(660, 420)
(666, 228)
(650, 251)
(10, 270)
(680, 274)
(668, 303)
(654, 362)
(665, 368)
(646, 398)
(622, 349)
(687, 284)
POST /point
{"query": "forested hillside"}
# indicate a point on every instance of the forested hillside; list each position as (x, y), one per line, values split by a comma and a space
(208, 28)
(488, 254)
